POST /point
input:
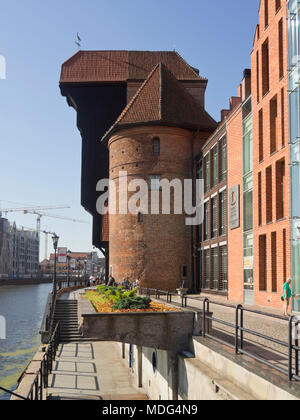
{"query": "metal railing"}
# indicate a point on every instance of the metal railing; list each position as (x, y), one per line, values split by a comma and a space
(41, 380)
(292, 344)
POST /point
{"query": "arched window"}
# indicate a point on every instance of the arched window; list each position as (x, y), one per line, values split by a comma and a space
(156, 146)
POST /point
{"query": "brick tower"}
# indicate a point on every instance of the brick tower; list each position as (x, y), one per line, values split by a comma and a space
(156, 137)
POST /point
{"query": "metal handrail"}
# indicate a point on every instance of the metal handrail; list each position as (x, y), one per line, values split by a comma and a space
(12, 393)
(292, 372)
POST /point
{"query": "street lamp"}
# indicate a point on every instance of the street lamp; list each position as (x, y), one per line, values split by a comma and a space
(68, 261)
(55, 239)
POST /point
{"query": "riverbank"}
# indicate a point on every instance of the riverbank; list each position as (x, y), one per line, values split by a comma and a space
(24, 282)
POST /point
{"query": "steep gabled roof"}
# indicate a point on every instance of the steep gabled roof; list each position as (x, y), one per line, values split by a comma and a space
(123, 66)
(163, 100)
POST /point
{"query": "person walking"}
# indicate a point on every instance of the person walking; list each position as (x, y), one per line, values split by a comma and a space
(286, 297)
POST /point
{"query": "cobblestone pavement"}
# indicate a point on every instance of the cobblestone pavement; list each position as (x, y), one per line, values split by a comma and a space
(271, 327)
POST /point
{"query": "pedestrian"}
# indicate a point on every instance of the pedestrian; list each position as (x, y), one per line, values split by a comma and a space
(286, 297)
(111, 281)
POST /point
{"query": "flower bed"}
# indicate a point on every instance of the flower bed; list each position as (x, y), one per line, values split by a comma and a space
(102, 304)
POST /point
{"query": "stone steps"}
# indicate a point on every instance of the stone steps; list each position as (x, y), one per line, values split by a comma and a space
(66, 313)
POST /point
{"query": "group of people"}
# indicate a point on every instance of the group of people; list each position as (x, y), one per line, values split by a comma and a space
(127, 283)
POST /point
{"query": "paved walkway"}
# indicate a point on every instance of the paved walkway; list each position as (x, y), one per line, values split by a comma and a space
(93, 371)
(271, 327)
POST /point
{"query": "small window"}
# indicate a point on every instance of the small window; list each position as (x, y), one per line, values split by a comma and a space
(156, 147)
(184, 271)
(140, 218)
(155, 182)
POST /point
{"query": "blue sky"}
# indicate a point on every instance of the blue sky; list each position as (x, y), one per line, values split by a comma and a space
(40, 145)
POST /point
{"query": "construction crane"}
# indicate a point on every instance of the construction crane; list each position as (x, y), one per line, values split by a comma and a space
(36, 211)
(33, 210)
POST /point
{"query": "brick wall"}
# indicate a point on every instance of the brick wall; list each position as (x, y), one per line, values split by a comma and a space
(270, 145)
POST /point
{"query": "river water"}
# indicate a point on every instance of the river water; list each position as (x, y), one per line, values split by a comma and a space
(23, 309)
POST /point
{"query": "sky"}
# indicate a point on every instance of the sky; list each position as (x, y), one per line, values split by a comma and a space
(40, 146)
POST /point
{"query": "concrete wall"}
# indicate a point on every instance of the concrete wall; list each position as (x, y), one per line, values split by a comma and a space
(211, 373)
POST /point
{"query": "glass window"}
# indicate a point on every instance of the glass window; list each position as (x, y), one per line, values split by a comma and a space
(223, 212)
(215, 277)
(206, 221)
(156, 147)
(248, 210)
(207, 173)
(224, 269)
(207, 269)
(214, 169)
(214, 228)
(248, 146)
(223, 159)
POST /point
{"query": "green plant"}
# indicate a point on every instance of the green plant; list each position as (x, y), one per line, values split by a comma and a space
(132, 303)
(115, 294)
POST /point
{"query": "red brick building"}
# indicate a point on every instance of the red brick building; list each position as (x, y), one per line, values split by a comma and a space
(151, 105)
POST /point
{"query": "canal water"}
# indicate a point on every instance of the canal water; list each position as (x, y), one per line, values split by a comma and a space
(23, 309)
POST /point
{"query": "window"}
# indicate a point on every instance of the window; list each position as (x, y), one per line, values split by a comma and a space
(222, 159)
(223, 268)
(206, 221)
(214, 268)
(263, 263)
(140, 218)
(248, 210)
(280, 46)
(257, 75)
(265, 68)
(184, 271)
(274, 261)
(247, 147)
(269, 195)
(214, 166)
(207, 173)
(156, 147)
(155, 182)
(282, 119)
(266, 13)
(223, 212)
(277, 5)
(259, 200)
(207, 269)
(273, 124)
(261, 135)
(214, 228)
(280, 174)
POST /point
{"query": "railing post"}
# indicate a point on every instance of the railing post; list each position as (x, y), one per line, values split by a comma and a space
(290, 369)
(206, 301)
(237, 328)
(296, 349)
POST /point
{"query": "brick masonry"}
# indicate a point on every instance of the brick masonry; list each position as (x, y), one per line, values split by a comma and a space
(278, 85)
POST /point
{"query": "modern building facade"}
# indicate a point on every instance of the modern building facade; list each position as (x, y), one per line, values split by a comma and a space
(293, 25)
(19, 255)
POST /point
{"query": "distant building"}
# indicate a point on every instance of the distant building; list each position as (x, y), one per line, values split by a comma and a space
(26, 247)
(6, 252)
(81, 263)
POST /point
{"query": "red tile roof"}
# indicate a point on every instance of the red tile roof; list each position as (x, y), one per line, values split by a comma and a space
(122, 66)
(162, 99)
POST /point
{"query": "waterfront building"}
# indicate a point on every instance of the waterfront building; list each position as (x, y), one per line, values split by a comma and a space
(19, 251)
(249, 243)
(6, 250)
(81, 263)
